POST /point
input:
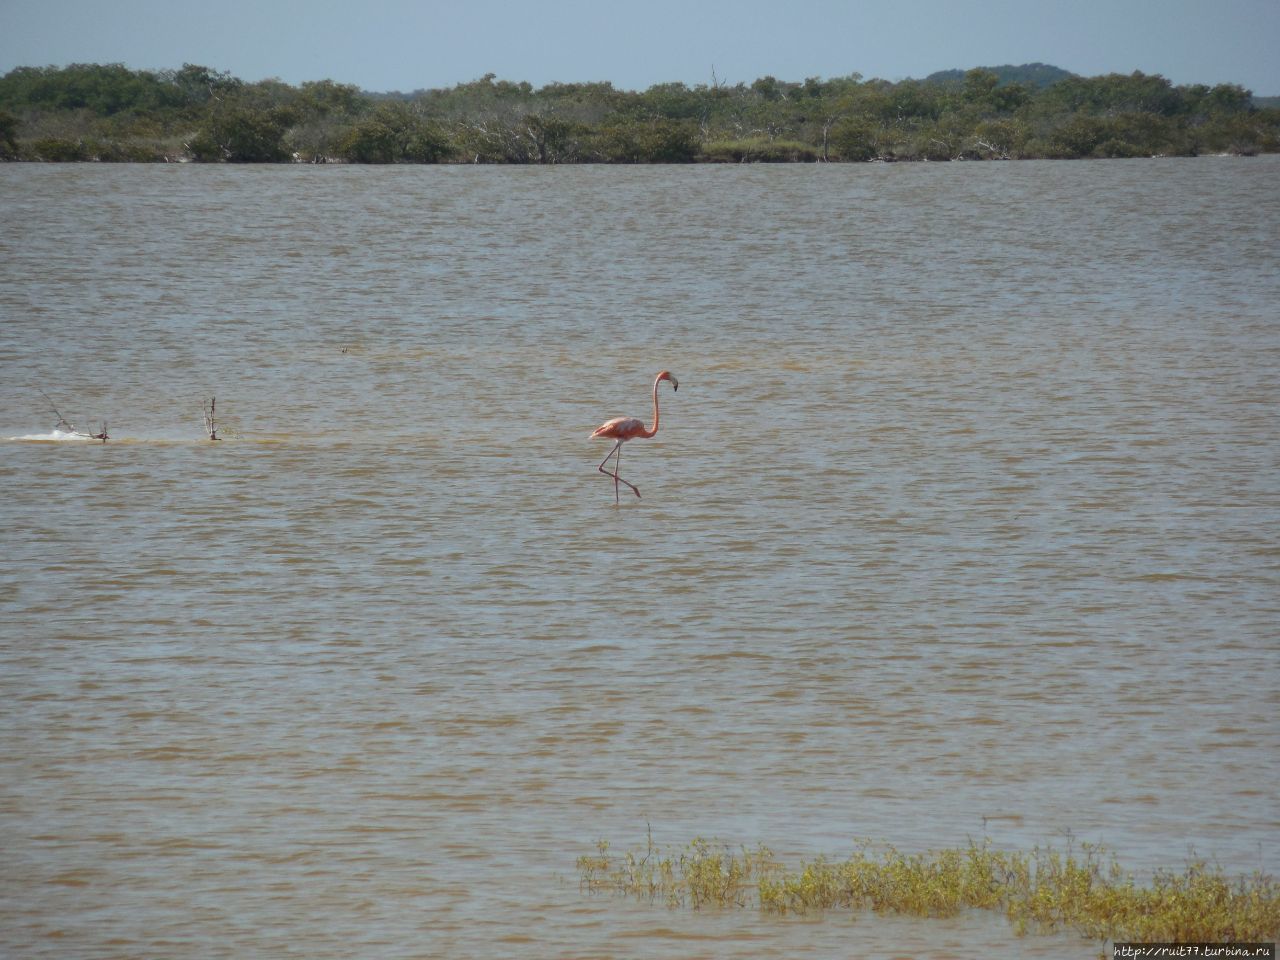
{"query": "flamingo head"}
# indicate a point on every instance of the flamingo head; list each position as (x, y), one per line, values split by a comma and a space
(668, 375)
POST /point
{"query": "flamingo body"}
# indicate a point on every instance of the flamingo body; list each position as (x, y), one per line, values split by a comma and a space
(622, 429)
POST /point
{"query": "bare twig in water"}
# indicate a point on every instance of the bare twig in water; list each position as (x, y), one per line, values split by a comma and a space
(67, 426)
(210, 421)
(63, 423)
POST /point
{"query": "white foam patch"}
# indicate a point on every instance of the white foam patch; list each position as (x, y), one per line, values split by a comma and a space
(55, 436)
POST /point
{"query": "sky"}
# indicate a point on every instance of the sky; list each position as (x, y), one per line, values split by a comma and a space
(406, 45)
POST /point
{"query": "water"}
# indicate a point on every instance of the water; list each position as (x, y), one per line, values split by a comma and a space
(962, 525)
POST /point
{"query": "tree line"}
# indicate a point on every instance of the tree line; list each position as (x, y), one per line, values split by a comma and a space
(107, 112)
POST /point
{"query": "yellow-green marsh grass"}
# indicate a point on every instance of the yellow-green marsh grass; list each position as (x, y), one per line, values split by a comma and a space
(1044, 890)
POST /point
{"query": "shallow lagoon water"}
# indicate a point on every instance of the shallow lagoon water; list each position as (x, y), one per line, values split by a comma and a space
(961, 526)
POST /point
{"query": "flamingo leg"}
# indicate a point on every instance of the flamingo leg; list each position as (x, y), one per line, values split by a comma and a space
(617, 450)
(617, 465)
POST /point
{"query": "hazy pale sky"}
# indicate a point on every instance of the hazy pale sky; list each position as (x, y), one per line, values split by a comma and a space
(383, 45)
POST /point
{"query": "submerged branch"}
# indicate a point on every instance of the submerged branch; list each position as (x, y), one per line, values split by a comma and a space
(66, 426)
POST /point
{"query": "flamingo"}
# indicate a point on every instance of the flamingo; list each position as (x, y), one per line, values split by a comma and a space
(622, 429)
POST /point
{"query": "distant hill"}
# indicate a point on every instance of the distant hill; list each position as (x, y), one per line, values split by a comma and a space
(1034, 76)
(1267, 103)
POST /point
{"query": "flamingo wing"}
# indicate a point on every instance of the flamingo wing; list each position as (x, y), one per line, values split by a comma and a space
(619, 428)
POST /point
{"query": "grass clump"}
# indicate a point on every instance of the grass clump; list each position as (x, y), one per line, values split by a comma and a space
(925, 885)
(701, 874)
(1046, 890)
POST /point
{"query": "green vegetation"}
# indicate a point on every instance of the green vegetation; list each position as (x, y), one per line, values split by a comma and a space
(110, 113)
(1045, 891)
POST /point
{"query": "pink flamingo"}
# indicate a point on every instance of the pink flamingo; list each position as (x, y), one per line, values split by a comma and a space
(622, 429)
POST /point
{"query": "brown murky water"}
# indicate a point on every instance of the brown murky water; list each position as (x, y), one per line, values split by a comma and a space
(961, 525)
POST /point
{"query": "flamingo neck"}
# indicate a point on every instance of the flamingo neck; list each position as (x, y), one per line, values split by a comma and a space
(654, 429)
